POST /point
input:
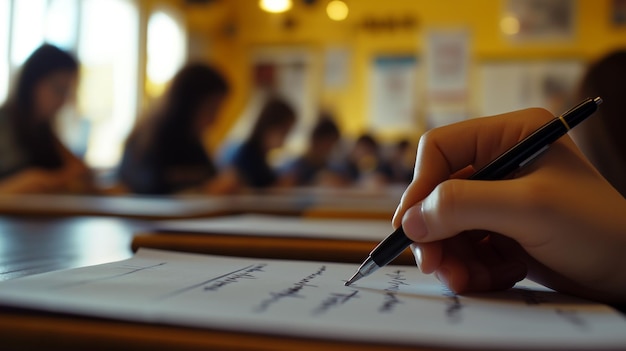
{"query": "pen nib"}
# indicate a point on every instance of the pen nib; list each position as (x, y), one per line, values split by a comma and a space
(354, 278)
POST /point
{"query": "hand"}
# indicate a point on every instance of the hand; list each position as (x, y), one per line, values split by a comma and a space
(558, 221)
(32, 180)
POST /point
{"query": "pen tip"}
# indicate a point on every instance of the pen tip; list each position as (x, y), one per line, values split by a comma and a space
(598, 100)
(354, 278)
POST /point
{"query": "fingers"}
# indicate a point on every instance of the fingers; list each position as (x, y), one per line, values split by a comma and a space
(467, 263)
(443, 152)
(460, 205)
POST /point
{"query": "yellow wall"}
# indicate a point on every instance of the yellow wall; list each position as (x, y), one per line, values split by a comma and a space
(233, 28)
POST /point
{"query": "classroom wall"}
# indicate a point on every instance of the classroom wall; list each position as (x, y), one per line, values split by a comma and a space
(229, 31)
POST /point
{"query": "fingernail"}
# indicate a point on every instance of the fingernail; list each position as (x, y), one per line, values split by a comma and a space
(395, 213)
(413, 223)
(442, 275)
(417, 252)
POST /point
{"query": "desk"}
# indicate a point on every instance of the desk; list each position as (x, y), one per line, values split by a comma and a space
(42, 244)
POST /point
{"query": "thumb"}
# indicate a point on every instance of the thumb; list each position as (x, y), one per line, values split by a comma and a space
(458, 205)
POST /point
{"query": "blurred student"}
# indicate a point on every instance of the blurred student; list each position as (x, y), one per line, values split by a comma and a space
(270, 131)
(400, 162)
(164, 154)
(364, 165)
(601, 138)
(314, 166)
(32, 158)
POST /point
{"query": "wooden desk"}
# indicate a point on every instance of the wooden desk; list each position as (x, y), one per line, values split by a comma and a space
(31, 245)
(141, 207)
(298, 202)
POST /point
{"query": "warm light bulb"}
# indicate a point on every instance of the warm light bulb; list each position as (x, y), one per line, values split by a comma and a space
(509, 25)
(337, 10)
(275, 6)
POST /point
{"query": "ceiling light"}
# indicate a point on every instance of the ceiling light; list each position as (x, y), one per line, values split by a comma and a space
(275, 6)
(337, 10)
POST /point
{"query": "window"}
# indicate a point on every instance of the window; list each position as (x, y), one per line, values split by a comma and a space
(5, 16)
(108, 51)
(104, 34)
(167, 49)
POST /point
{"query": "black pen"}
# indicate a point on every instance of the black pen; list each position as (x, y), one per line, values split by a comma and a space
(511, 160)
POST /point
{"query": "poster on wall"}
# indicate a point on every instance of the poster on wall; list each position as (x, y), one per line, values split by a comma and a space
(515, 85)
(447, 70)
(537, 20)
(393, 93)
(336, 67)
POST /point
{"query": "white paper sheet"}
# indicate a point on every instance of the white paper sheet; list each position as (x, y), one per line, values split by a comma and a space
(394, 305)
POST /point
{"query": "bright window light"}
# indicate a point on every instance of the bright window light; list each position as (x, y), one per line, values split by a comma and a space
(166, 46)
(5, 15)
(107, 93)
(275, 6)
(28, 27)
(61, 21)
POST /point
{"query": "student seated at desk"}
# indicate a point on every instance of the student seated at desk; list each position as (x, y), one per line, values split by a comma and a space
(559, 222)
(314, 166)
(269, 132)
(364, 165)
(32, 158)
(164, 153)
(400, 162)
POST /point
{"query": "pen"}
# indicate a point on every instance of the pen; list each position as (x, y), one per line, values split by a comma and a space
(511, 160)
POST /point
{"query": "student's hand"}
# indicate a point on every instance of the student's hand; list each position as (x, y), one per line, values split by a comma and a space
(557, 221)
(32, 181)
(226, 182)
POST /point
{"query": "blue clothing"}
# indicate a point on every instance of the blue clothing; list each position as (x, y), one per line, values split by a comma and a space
(166, 168)
(303, 171)
(13, 158)
(252, 166)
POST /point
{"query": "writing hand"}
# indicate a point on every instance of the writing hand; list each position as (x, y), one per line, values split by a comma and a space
(559, 221)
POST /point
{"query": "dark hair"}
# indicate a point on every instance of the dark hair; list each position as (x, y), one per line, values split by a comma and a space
(325, 128)
(369, 141)
(37, 136)
(173, 119)
(605, 78)
(276, 113)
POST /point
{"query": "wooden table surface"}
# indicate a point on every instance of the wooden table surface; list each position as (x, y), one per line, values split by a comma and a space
(42, 244)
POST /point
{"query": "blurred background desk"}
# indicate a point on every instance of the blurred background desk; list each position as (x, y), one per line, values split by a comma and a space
(31, 245)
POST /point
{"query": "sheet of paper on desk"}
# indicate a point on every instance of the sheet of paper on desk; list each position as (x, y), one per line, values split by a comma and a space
(394, 305)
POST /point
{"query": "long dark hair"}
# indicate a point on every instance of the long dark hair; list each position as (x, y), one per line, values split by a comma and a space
(173, 120)
(275, 113)
(35, 136)
(605, 78)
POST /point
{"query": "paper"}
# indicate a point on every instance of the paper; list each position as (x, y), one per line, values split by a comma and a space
(396, 305)
(283, 226)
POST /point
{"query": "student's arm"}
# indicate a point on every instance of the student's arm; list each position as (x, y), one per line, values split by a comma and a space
(75, 175)
(559, 221)
(30, 181)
